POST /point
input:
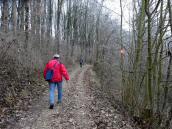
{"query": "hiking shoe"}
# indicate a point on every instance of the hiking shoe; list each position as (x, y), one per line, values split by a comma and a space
(60, 106)
(51, 106)
(59, 102)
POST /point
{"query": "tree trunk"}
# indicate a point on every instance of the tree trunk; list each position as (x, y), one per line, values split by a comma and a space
(58, 34)
(69, 21)
(4, 18)
(14, 16)
(26, 26)
(49, 21)
(170, 14)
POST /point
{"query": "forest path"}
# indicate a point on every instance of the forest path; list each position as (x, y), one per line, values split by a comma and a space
(84, 107)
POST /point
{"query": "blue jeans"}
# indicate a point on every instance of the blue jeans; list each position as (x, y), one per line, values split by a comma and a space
(52, 87)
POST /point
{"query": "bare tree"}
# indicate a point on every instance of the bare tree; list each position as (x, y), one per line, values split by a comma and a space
(4, 24)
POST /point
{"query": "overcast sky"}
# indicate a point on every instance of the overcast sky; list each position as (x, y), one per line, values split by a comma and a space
(115, 6)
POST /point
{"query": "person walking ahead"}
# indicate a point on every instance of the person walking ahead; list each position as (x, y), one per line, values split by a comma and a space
(59, 71)
(81, 62)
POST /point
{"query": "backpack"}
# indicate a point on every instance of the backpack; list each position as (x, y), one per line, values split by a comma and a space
(50, 73)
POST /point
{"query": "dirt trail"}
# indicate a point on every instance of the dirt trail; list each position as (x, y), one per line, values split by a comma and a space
(82, 108)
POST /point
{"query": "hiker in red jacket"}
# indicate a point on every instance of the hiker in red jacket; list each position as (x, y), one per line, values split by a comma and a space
(58, 71)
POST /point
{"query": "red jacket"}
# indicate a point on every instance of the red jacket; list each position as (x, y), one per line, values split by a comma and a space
(59, 70)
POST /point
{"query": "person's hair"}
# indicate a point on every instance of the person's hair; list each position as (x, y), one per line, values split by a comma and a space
(56, 57)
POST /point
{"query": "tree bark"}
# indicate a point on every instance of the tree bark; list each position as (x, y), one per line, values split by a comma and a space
(14, 16)
(4, 24)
